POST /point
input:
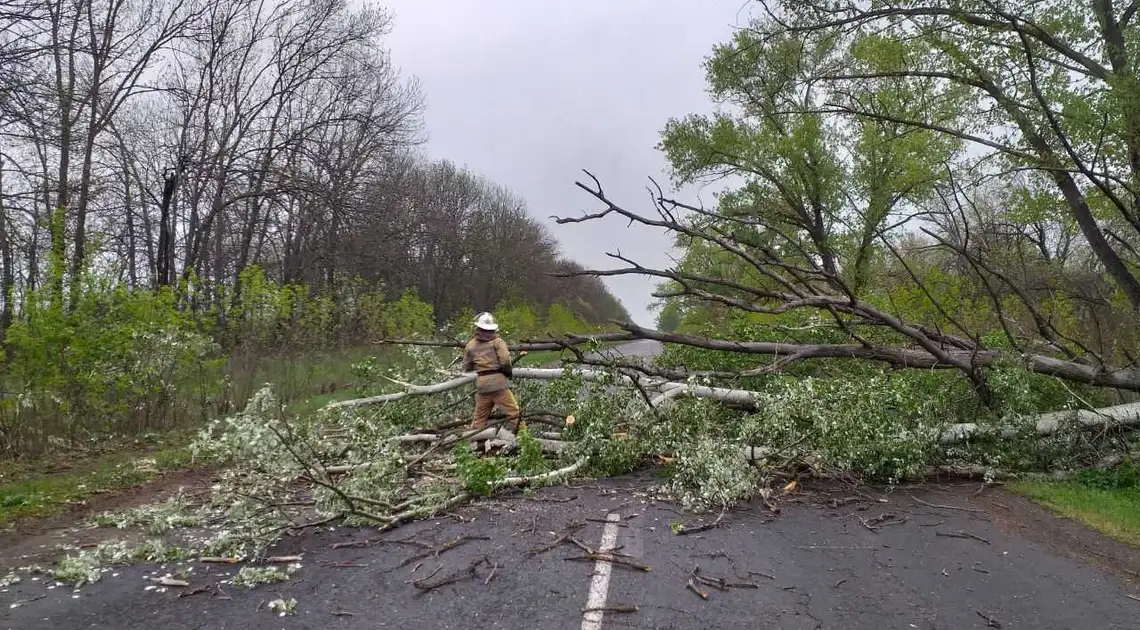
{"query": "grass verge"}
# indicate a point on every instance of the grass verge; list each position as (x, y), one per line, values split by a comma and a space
(48, 486)
(1113, 511)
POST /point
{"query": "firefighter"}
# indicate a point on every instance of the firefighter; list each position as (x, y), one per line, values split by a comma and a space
(487, 355)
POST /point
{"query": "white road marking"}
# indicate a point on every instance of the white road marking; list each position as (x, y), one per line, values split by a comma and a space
(600, 584)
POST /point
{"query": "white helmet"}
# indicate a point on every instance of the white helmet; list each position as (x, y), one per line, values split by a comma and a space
(486, 321)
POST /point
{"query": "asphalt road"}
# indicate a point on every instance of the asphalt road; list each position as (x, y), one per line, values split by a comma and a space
(641, 349)
(816, 565)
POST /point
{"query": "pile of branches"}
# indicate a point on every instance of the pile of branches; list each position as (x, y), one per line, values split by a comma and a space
(409, 453)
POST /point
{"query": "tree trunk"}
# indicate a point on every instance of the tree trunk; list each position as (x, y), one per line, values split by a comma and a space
(166, 228)
(8, 274)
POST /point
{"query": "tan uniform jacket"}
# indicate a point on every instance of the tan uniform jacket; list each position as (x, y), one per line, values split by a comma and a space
(485, 358)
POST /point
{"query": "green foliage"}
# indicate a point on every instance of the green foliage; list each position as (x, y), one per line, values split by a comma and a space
(409, 317)
(479, 474)
(561, 320)
(517, 319)
(885, 428)
(118, 361)
(1123, 476)
(670, 317)
(252, 577)
(88, 565)
(460, 325)
(155, 519)
(283, 607)
(710, 473)
(530, 459)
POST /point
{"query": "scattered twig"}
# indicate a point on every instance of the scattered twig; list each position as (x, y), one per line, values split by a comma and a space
(839, 583)
(962, 534)
(444, 548)
(219, 593)
(948, 507)
(684, 531)
(429, 576)
(581, 545)
(345, 565)
(602, 520)
(282, 559)
(468, 573)
(342, 613)
(837, 503)
(828, 548)
(381, 541)
(1133, 597)
(718, 583)
(990, 621)
(605, 557)
(197, 591)
(762, 574)
(491, 575)
(882, 520)
(693, 587)
(565, 537)
(219, 560)
(21, 602)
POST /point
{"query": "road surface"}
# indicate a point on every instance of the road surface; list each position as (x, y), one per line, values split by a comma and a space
(835, 558)
(641, 349)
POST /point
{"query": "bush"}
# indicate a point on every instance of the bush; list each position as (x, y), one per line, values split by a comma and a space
(119, 362)
(1125, 475)
(517, 319)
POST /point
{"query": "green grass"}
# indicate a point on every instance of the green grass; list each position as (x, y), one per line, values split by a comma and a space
(1113, 511)
(45, 485)
(37, 488)
(543, 358)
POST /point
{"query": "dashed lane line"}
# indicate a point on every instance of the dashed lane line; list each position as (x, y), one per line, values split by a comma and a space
(600, 583)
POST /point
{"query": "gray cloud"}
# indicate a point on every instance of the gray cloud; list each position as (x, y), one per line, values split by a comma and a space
(528, 93)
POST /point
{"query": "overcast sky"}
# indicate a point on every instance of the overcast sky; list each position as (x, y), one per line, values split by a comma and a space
(528, 92)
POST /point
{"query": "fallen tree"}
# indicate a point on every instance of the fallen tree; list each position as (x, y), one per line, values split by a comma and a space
(384, 460)
(1117, 417)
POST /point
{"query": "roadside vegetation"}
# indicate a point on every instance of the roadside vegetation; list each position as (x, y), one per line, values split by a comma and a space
(1105, 500)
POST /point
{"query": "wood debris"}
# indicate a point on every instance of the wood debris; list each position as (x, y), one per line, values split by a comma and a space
(962, 534)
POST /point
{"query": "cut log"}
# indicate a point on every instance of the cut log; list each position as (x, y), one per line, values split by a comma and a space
(515, 482)
(741, 398)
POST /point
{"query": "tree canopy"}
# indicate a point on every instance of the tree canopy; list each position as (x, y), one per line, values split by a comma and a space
(922, 184)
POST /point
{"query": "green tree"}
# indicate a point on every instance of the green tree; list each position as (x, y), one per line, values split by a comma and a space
(561, 320)
(516, 319)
